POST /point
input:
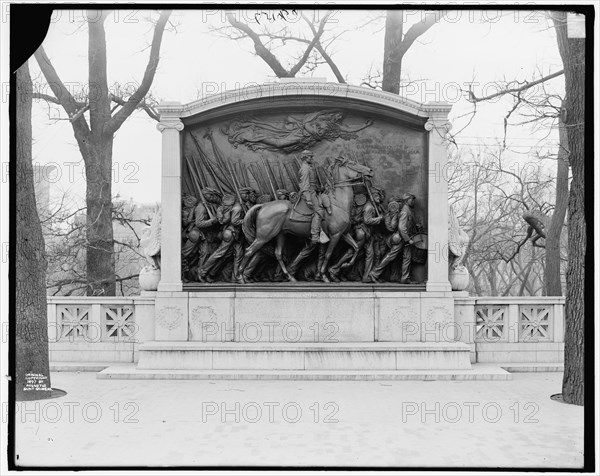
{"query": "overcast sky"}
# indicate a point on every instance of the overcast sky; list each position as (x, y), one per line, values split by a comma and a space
(464, 46)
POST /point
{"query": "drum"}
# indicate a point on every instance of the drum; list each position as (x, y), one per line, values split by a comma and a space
(420, 247)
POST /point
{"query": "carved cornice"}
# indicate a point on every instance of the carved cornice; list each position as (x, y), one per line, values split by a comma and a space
(318, 90)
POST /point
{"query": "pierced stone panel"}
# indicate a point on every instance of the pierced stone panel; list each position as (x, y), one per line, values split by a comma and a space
(535, 323)
(118, 323)
(73, 322)
(491, 323)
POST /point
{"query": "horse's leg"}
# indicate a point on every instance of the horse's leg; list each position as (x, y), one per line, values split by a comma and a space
(304, 253)
(253, 264)
(356, 246)
(279, 255)
(320, 260)
(256, 245)
(332, 244)
(334, 271)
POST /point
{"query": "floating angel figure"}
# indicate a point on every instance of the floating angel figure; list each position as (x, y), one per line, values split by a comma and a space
(294, 134)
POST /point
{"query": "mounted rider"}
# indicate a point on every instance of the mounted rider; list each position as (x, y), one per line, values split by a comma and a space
(309, 187)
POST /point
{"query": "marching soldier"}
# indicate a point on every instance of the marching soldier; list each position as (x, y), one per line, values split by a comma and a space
(372, 217)
(359, 233)
(230, 215)
(400, 242)
(249, 197)
(196, 220)
(392, 216)
(264, 198)
(282, 194)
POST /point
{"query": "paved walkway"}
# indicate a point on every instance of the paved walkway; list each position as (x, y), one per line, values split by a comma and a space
(393, 424)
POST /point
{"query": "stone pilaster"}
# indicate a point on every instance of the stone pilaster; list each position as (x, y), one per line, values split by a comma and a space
(437, 260)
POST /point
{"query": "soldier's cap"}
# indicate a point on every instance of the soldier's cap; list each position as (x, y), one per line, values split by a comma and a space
(360, 199)
(393, 206)
(264, 198)
(247, 190)
(282, 191)
(379, 191)
(189, 200)
(211, 191)
(228, 199)
(396, 198)
(306, 152)
(406, 196)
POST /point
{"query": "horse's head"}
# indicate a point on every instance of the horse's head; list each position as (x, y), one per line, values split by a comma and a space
(349, 170)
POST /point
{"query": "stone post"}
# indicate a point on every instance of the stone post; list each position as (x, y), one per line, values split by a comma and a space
(170, 125)
(437, 221)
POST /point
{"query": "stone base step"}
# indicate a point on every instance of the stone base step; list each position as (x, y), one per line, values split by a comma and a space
(236, 356)
(477, 372)
(79, 366)
(533, 367)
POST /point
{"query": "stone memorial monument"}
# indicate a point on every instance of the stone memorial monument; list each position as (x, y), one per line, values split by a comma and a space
(304, 228)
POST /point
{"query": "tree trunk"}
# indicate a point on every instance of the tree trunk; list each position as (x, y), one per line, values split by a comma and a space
(100, 257)
(32, 379)
(392, 61)
(552, 276)
(96, 141)
(572, 51)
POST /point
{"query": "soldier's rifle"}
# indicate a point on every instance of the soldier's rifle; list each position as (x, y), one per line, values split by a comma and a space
(266, 165)
(207, 163)
(260, 178)
(371, 196)
(199, 186)
(236, 186)
(220, 160)
(204, 185)
(279, 165)
(292, 176)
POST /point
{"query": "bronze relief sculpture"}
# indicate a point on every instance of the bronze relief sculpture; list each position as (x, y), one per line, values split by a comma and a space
(301, 218)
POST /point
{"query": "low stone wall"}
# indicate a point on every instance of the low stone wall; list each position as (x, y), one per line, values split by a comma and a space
(497, 329)
(98, 329)
(524, 329)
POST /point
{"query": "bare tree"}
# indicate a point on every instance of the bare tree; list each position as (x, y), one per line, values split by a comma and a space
(545, 109)
(268, 38)
(32, 379)
(572, 52)
(65, 234)
(572, 148)
(397, 43)
(95, 136)
(488, 197)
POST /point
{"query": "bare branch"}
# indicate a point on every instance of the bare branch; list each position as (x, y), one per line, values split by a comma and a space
(61, 93)
(260, 49)
(117, 120)
(508, 90)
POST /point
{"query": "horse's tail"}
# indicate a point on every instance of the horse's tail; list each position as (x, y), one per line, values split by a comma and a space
(249, 225)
